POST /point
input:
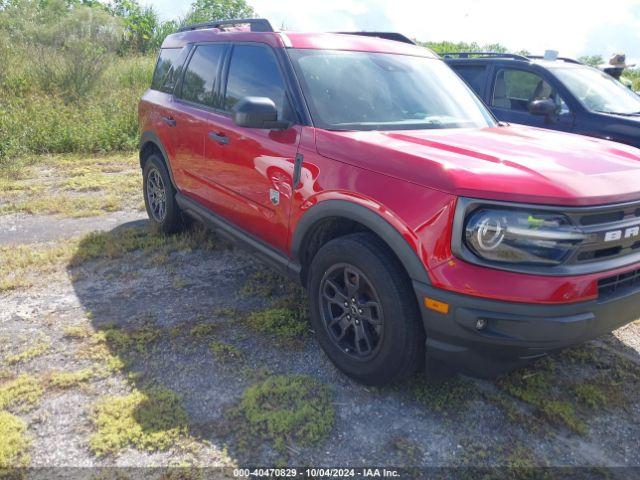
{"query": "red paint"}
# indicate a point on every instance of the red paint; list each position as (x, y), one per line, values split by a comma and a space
(410, 178)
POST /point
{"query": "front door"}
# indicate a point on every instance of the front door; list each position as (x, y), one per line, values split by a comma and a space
(514, 89)
(250, 169)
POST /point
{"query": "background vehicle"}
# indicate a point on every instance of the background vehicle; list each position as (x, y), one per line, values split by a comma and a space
(560, 94)
(366, 170)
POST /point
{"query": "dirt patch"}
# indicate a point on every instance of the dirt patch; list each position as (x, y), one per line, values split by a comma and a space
(142, 322)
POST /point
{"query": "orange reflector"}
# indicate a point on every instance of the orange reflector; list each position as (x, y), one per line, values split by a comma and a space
(435, 305)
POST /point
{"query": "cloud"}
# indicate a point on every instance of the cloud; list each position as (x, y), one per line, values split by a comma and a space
(573, 27)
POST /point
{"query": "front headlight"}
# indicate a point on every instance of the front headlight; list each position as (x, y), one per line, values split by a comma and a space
(520, 236)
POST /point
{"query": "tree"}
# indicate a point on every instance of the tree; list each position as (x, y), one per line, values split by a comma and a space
(141, 25)
(209, 10)
(454, 47)
(593, 60)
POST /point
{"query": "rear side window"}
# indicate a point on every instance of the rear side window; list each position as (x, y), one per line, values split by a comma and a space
(199, 84)
(254, 72)
(168, 68)
(474, 75)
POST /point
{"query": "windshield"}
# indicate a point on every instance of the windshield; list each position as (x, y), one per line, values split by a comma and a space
(349, 90)
(598, 91)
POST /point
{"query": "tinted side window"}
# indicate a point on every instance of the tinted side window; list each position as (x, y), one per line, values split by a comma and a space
(166, 82)
(199, 84)
(514, 89)
(166, 61)
(474, 75)
(254, 72)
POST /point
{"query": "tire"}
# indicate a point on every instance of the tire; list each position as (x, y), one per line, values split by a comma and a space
(385, 310)
(164, 213)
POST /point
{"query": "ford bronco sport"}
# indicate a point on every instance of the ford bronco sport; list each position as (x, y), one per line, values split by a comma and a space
(368, 171)
(561, 94)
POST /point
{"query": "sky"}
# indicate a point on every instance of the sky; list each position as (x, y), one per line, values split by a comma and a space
(572, 27)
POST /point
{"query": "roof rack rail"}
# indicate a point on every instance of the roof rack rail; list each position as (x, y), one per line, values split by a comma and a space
(513, 56)
(564, 59)
(255, 24)
(398, 37)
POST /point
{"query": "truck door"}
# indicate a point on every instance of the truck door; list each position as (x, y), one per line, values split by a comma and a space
(514, 88)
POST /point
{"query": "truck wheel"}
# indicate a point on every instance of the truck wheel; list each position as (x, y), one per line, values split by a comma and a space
(159, 196)
(364, 310)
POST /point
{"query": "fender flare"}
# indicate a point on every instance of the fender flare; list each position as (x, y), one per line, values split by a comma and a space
(367, 217)
(149, 137)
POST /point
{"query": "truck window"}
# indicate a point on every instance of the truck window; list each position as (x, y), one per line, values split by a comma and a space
(474, 75)
(199, 83)
(169, 68)
(514, 89)
(254, 72)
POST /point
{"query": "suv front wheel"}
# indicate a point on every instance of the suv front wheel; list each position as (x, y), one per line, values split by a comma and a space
(364, 311)
(159, 196)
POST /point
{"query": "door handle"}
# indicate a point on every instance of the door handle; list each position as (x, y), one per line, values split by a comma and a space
(169, 121)
(221, 138)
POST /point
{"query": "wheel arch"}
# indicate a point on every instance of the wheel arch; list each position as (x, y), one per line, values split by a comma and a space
(150, 143)
(307, 238)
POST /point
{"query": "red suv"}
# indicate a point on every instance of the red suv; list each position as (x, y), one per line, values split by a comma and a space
(366, 170)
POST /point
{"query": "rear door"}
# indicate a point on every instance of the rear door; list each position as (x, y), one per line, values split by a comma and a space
(514, 87)
(474, 75)
(250, 170)
(195, 98)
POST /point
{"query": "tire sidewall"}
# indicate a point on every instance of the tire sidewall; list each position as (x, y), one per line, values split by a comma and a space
(171, 221)
(388, 359)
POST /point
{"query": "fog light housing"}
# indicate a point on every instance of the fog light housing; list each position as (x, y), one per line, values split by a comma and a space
(481, 323)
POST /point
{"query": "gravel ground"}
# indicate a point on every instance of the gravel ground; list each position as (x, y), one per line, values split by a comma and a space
(483, 423)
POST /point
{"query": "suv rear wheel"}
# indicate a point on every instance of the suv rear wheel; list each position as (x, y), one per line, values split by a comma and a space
(159, 196)
(364, 311)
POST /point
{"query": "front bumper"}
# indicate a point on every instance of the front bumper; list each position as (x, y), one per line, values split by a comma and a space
(516, 333)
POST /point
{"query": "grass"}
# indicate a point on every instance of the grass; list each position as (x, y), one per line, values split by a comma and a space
(21, 394)
(448, 396)
(204, 330)
(65, 380)
(71, 185)
(14, 445)
(559, 396)
(21, 265)
(151, 420)
(282, 410)
(77, 332)
(281, 322)
(225, 352)
(40, 348)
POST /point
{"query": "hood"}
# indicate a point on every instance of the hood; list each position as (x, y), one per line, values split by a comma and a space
(511, 163)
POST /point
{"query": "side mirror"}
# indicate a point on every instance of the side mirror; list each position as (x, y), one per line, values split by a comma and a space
(257, 112)
(543, 106)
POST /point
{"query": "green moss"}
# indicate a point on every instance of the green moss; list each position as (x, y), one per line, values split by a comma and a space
(538, 386)
(20, 394)
(204, 330)
(283, 322)
(225, 352)
(514, 414)
(408, 451)
(282, 410)
(127, 341)
(446, 396)
(77, 332)
(14, 445)
(40, 348)
(263, 283)
(590, 395)
(151, 420)
(71, 379)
